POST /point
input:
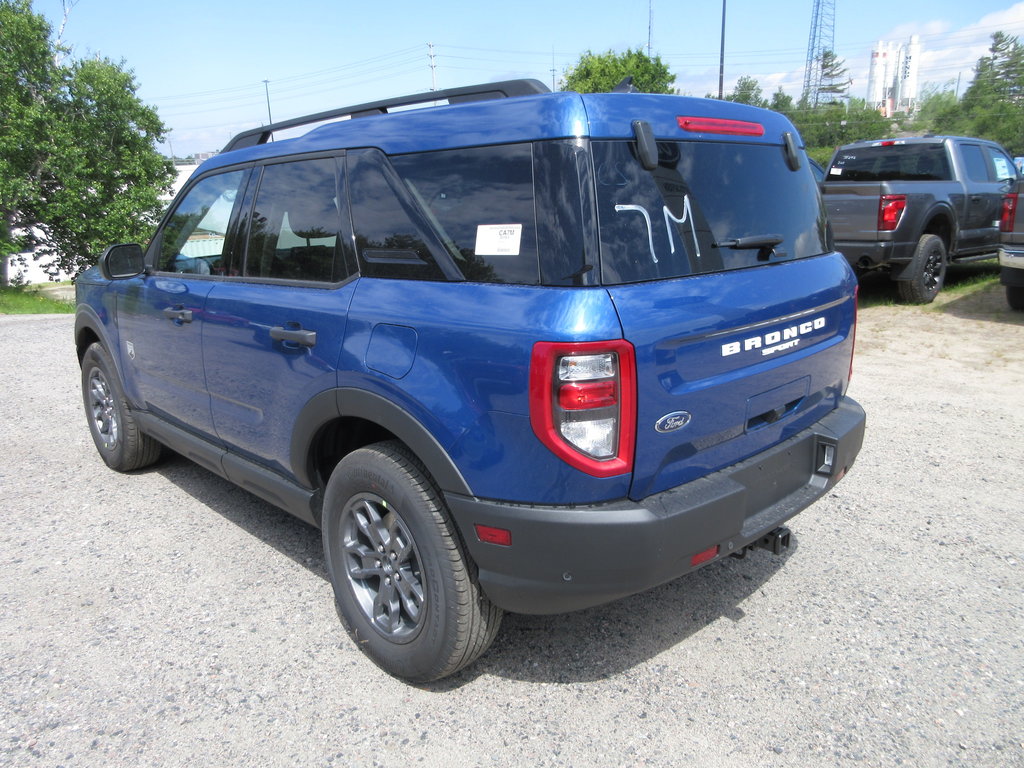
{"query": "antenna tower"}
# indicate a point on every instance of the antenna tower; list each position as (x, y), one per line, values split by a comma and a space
(821, 39)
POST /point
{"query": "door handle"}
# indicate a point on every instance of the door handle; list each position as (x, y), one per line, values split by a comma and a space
(178, 314)
(297, 335)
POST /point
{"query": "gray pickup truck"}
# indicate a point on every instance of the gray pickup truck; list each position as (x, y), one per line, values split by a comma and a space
(912, 206)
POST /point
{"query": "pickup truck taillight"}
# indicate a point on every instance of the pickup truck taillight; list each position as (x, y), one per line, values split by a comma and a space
(583, 403)
(1008, 218)
(890, 209)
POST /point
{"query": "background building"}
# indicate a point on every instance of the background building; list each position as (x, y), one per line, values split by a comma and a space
(893, 76)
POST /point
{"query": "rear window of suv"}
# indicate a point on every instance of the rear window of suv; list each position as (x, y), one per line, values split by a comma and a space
(678, 219)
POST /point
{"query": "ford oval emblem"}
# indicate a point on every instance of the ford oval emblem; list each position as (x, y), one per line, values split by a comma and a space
(670, 422)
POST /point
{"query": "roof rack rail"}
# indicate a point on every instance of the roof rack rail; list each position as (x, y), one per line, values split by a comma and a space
(484, 92)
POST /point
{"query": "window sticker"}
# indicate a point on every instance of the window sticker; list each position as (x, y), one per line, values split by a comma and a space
(498, 239)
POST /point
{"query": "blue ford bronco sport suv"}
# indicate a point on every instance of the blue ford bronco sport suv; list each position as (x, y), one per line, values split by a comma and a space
(521, 351)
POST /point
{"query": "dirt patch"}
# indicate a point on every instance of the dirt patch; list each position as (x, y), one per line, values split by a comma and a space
(969, 326)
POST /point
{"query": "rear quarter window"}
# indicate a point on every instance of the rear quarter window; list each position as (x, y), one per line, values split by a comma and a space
(480, 201)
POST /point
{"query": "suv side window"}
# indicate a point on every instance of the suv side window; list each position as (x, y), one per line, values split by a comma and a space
(481, 203)
(389, 240)
(194, 238)
(293, 234)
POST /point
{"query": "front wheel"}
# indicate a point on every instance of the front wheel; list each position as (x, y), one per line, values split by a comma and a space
(120, 442)
(927, 271)
(406, 591)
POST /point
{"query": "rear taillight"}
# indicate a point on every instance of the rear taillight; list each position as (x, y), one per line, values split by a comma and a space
(890, 209)
(583, 403)
(1009, 216)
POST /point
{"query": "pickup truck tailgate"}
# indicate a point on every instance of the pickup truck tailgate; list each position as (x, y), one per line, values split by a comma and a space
(853, 209)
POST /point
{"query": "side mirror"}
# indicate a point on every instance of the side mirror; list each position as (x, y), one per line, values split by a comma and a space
(120, 262)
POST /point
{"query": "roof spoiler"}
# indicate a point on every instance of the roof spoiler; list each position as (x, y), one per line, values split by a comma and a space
(485, 92)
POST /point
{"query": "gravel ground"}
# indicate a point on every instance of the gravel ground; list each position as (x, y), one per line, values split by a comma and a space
(167, 619)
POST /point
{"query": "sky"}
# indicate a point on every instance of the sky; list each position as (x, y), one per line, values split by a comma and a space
(211, 67)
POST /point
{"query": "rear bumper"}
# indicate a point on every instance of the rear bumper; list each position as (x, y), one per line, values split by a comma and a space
(869, 254)
(567, 558)
(1011, 261)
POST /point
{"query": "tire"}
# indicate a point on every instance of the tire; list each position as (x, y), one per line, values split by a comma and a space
(120, 442)
(1015, 297)
(405, 589)
(927, 271)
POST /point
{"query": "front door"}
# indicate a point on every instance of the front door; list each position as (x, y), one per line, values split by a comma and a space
(161, 316)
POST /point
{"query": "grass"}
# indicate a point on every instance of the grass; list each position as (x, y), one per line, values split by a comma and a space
(962, 280)
(29, 300)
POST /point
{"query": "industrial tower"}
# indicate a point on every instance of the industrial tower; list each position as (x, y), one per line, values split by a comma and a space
(821, 39)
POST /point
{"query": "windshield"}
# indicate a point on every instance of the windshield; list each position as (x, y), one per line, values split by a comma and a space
(707, 207)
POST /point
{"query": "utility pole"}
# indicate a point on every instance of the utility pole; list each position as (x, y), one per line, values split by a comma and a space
(433, 66)
(650, 25)
(721, 58)
(266, 87)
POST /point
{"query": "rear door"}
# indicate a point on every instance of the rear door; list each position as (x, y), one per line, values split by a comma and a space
(273, 336)
(720, 267)
(985, 185)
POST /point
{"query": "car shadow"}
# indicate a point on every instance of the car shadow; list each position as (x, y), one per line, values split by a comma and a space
(274, 527)
(583, 646)
(601, 642)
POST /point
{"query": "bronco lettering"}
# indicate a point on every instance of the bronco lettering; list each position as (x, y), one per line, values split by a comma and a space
(772, 340)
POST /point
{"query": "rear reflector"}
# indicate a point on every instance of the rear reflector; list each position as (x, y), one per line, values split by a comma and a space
(718, 125)
(492, 535)
(703, 557)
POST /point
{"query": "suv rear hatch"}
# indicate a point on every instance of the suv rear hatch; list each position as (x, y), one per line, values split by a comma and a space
(720, 265)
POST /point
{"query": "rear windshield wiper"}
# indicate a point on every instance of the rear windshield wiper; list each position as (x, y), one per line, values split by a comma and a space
(765, 244)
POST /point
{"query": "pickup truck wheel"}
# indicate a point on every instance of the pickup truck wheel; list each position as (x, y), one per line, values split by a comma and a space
(118, 439)
(405, 589)
(927, 271)
(1015, 297)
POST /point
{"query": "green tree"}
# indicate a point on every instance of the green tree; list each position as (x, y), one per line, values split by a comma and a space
(939, 111)
(79, 167)
(782, 102)
(828, 126)
(835, 81)
(26, 95)
(993, 105)
(601, 72)
(747, 91)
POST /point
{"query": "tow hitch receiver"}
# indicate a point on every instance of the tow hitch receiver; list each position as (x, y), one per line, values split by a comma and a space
(774, 541)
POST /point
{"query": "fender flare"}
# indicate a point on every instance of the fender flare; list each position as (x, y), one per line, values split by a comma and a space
(332, 404)
(87, 319)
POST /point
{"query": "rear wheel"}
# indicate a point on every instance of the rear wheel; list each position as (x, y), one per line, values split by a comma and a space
(406, 591)
(927, 271)
(1015, 297)
(115, 432)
